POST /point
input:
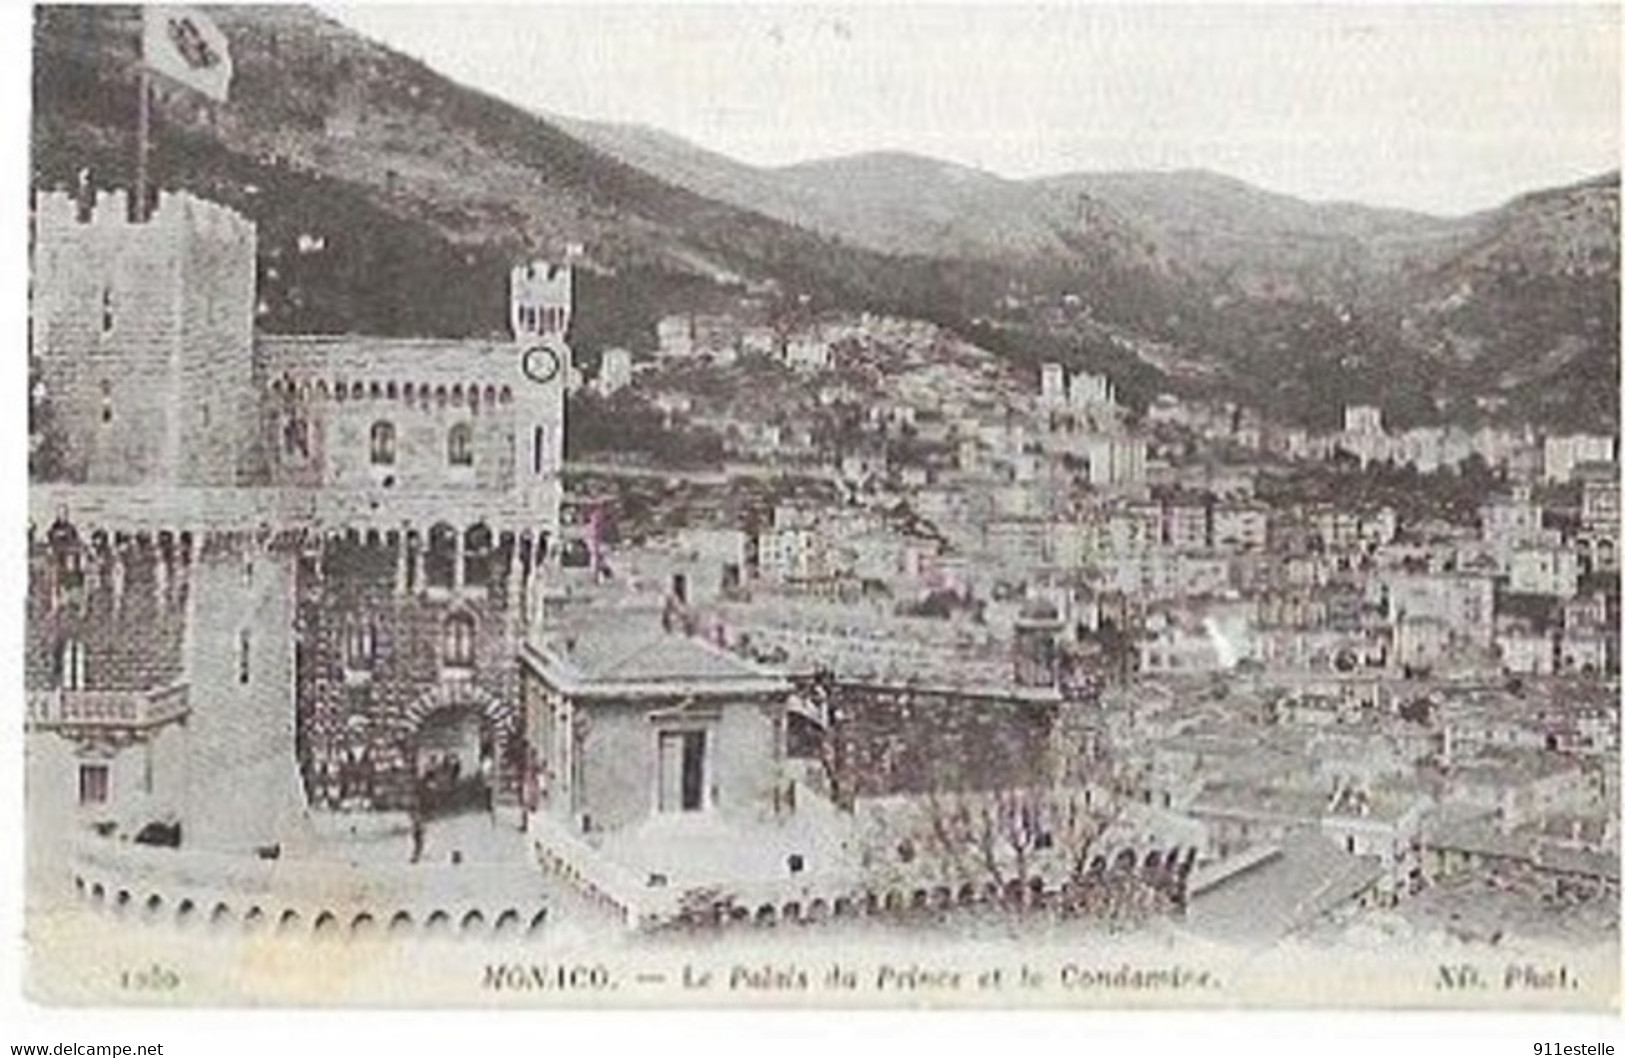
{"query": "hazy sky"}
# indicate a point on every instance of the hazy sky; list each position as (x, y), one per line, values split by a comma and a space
(1446, 109)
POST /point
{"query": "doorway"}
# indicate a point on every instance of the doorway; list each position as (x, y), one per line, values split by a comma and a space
(453, 765)
(682, 771)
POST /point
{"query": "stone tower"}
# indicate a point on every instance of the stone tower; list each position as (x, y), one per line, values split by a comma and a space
(539, 313)
(243, 788)
(144, 333)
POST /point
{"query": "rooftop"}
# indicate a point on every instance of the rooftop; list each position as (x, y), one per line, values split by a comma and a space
(1532, 844)
(1281, 894)
(1278, 803)
(627, 652)
(1503, 766)
(866, 644)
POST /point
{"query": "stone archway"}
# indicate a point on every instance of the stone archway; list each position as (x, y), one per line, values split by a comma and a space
(464, 694)
(464, 747)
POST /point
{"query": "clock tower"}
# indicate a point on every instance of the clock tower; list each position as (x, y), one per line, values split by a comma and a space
(539, 303)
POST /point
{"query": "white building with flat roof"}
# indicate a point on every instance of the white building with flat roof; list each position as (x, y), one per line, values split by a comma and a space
(614, 371)
(1551, 571)
(1560, 455)
(1052, 385)
(1085, 390)
(1362, 419)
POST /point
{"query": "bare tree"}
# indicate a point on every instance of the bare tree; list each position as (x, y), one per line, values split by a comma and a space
(1059, 835)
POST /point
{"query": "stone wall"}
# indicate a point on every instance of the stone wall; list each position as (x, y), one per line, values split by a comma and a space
(240, 663)
(147, 780)
(358, 723)
(324, 395)
(122, 599)
(216, 401)
(886, 740)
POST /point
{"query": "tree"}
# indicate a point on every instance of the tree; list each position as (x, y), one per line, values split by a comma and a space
(1063, 833)
(626, 423)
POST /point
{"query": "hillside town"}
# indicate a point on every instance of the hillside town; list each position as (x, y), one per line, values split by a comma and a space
(1404, 643)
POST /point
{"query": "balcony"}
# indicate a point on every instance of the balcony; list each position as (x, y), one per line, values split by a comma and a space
(58, 709)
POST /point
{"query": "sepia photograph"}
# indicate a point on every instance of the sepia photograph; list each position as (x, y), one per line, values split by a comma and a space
(1072, 507)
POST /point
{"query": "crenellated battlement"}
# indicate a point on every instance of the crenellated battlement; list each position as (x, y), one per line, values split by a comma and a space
(95, 561)
(421, 395)
(542, 281)
(177, 213)
(540, 296)
(297, 512)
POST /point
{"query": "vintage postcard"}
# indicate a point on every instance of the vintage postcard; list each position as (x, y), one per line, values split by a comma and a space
(782, 506)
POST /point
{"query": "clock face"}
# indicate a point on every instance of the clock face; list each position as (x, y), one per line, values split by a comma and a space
(540, 363)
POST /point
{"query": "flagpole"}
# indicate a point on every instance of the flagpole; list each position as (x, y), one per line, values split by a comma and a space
(143, 137)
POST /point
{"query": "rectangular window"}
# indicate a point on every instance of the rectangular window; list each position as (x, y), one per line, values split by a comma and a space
(538, 451)
(383, 444)
(682, 771)
(93, 784)
(457, 643)
(359, 641)
(460, 446)
(71, 666)
(296, 436)
(693, 771)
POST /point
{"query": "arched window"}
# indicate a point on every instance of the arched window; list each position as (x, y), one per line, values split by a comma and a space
(440, 558)
(383, 444)
(457, 642)
(460, 445)
(477, 543)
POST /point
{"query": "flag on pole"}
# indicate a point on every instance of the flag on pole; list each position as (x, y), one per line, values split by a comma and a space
(186, 46)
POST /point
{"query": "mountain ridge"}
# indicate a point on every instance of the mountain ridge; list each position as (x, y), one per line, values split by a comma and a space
(426, 191)
(1144, 196)
(632, 129)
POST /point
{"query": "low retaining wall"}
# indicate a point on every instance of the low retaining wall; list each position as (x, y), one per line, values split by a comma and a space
(184, 888)
(638, 905)
(582, 867)
(810, 906)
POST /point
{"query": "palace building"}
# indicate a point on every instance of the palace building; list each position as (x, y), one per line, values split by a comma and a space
(274, 572)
